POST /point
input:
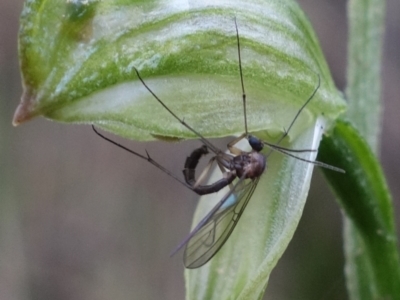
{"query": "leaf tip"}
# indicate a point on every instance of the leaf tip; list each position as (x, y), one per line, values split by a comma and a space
(25, 110)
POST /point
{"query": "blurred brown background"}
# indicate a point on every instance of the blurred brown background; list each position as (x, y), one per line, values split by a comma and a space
(80, 219)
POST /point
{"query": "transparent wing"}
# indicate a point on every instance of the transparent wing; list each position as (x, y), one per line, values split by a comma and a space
(214, 229)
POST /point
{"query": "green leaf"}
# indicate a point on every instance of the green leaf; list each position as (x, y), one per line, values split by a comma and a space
(365, 198)
(77, 60)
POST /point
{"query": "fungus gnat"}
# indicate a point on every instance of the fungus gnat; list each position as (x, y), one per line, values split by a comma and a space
(241, 172)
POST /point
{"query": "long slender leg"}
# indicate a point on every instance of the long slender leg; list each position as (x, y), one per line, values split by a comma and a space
(284, 149)
(299, 111)
(202, 138)
(241, 79)
(147, 158)
(222, 164)
(314, 162)
(223, 171)
(234, 150)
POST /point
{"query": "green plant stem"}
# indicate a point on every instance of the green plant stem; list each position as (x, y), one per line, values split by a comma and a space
(366, 28)
(366, 19)
(373, 269)
(372, 260)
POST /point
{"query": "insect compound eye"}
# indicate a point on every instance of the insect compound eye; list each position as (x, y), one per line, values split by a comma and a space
(255, 143)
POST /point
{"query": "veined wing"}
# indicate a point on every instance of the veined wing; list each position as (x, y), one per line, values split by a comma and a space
(214, 229)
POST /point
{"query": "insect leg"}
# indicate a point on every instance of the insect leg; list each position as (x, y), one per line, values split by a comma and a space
(234, 150)
(300, 110)
(241, 79)
(202, 138)
(147, 158)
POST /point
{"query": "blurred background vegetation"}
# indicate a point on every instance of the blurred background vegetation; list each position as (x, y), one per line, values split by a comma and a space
(80, 219)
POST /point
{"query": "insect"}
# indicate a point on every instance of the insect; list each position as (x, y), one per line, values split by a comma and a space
(241, 172)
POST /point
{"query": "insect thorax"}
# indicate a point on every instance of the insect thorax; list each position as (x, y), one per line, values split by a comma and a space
(251, 164)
